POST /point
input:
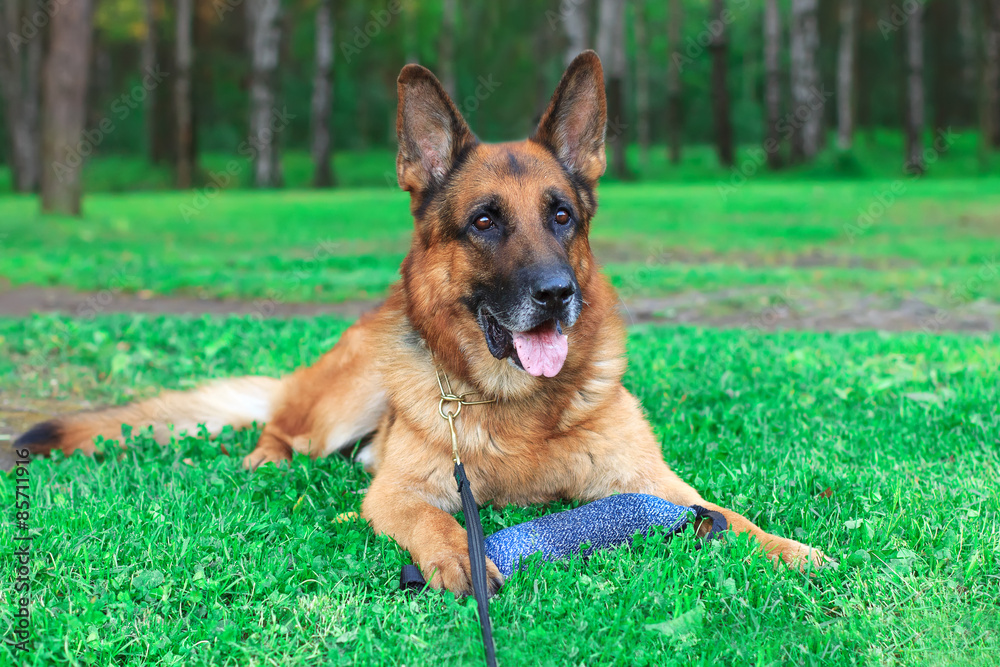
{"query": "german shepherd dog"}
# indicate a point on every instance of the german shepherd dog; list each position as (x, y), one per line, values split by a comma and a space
(500, 294)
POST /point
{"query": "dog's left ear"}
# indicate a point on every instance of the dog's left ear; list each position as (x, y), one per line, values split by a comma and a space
(431, 131)
(573, 124)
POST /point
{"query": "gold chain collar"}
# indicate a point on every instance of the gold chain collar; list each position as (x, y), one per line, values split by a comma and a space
(449, 396)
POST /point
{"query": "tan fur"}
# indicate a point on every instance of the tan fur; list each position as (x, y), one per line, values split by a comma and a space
(579, 435)
(238, 402)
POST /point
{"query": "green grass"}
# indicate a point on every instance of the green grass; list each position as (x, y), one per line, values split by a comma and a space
(938, 238)
(881, 450)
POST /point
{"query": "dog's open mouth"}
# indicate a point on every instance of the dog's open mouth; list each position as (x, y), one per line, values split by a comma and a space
(540, 351)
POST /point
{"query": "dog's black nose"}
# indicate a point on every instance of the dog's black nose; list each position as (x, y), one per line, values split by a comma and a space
(553, 289)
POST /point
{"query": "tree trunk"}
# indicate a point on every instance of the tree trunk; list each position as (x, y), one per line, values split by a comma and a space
(807, 100)
(265, 42)
(674, 81)
(611, 48)
(576, 20)
(182, 93)
(164, 121)
(967, 41)
(149, 65)
(446, 47)
(64, 106)
(642, 82)
(719, 46)
(989, 110)
(322, 99)
(20, 71)
(915, 90)
(772, 94)
(845, 73)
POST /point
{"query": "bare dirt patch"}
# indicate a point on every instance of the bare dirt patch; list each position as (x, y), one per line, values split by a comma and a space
(23, 301)
(626, 250)
(743, 308)
(733, 308)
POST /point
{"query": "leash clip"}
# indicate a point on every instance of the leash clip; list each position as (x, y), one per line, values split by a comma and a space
(458, 401)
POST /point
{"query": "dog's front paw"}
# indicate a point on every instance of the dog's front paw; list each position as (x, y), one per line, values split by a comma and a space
(259, 457)
(451, 570)
(799, 556)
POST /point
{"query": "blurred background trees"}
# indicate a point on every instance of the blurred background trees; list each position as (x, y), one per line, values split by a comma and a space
(20, 76)
(264, 81)
(65, 75)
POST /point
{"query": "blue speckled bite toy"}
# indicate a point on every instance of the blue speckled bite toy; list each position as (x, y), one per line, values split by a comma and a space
(602, 524)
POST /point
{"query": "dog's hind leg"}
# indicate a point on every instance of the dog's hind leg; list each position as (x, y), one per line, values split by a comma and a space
(330, 405)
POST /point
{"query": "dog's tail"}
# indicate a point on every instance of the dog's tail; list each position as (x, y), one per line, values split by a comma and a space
(238, 402)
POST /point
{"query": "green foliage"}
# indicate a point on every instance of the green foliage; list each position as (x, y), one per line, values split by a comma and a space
(881, 450)
(519, 45)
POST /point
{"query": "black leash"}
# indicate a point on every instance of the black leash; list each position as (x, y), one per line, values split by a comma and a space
(477, 561)
(411, 577)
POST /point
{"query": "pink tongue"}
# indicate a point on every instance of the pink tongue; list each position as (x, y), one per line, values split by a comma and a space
(542, 350)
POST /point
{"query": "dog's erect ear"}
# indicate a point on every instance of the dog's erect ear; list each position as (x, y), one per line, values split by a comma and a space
(431, 131)
(573, 124)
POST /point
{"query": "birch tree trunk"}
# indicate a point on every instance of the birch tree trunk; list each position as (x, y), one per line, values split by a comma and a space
(184, 57)
(915, 90)
(611, 48)
(772, 92)
(446, 47)
(674, 81)
(322, 98)
(719, 46)
(642, 82)
(807, 100)
(64, 106)
(265, 42)
(576, 22)
(845, 73)
(20, 72)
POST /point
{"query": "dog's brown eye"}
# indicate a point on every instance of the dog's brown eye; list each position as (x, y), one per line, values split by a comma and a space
(562, 216)
(483, 222)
